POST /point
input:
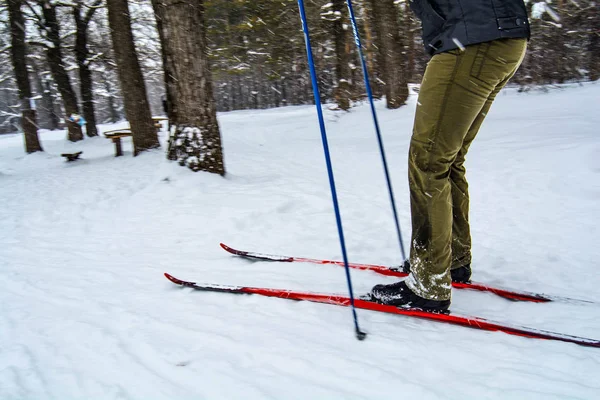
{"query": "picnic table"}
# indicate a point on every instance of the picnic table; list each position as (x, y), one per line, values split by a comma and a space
(117, 134)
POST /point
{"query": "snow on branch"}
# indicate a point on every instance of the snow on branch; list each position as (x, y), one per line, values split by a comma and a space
(539, 9)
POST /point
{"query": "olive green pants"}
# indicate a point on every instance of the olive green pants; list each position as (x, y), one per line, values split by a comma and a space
(456, 94)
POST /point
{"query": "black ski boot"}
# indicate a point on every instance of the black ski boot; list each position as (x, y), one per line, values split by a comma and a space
(399, 295)
(459, 275)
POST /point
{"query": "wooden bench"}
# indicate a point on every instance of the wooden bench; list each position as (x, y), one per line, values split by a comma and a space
(71, 156)
(116, 136)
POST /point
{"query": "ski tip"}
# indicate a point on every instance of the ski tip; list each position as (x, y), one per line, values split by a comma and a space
(173, 279)
(224, 246)
(234, 251)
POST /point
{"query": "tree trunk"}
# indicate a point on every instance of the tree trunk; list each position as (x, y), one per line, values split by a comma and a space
(85, 74)
(284, 92)
(342, 92)
(594, 45)
(59, 73)
(18, 53)
(410, 42)
(390, 49)
(110, 99)
(46, 113)
(372, 47)
(558, 43)
(368, 39)
(133, 87)
(159, 14)
(197, 140)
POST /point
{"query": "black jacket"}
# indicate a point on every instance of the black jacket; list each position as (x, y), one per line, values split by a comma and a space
(450, 24)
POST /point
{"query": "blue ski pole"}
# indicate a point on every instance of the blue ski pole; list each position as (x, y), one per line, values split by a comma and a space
(379, 139)
(359, 334)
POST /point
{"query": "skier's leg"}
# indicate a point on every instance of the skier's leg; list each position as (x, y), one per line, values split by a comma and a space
(455, 88)
(461, 233)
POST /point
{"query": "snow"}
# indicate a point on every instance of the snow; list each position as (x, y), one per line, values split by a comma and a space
(86, 313)
(538, 10)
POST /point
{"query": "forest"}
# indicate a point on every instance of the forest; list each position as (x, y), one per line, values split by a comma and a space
(110, 60)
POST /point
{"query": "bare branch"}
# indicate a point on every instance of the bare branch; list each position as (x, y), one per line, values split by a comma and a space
(91, 10)
(38, 44)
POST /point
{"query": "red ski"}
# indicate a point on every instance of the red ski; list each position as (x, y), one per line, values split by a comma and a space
(391, 271)
(454, 319)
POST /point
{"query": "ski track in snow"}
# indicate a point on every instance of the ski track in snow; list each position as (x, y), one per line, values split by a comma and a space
(86, 314)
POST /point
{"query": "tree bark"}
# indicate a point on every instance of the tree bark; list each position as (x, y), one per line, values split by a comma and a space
(59, 73)
(371, 48)
(196, 141)
(159, 15)
(410, 42)
(85, 74)
(112, 108)
(46, 112)
(18, 53)
(133, 86)
(385, 18)
(558, 43)
(594, 45)
(342, 92)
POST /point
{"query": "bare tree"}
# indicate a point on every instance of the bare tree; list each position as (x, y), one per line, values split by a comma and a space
(197, 139)
(159, 14)
(342, 92)
(409, 34)
(133, 86)
(18, 52)
(50, 30)
(46, 111)
(389, 42)
(594, 43)
(82, 53)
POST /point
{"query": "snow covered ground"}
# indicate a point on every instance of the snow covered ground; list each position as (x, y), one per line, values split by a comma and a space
(85, 312)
